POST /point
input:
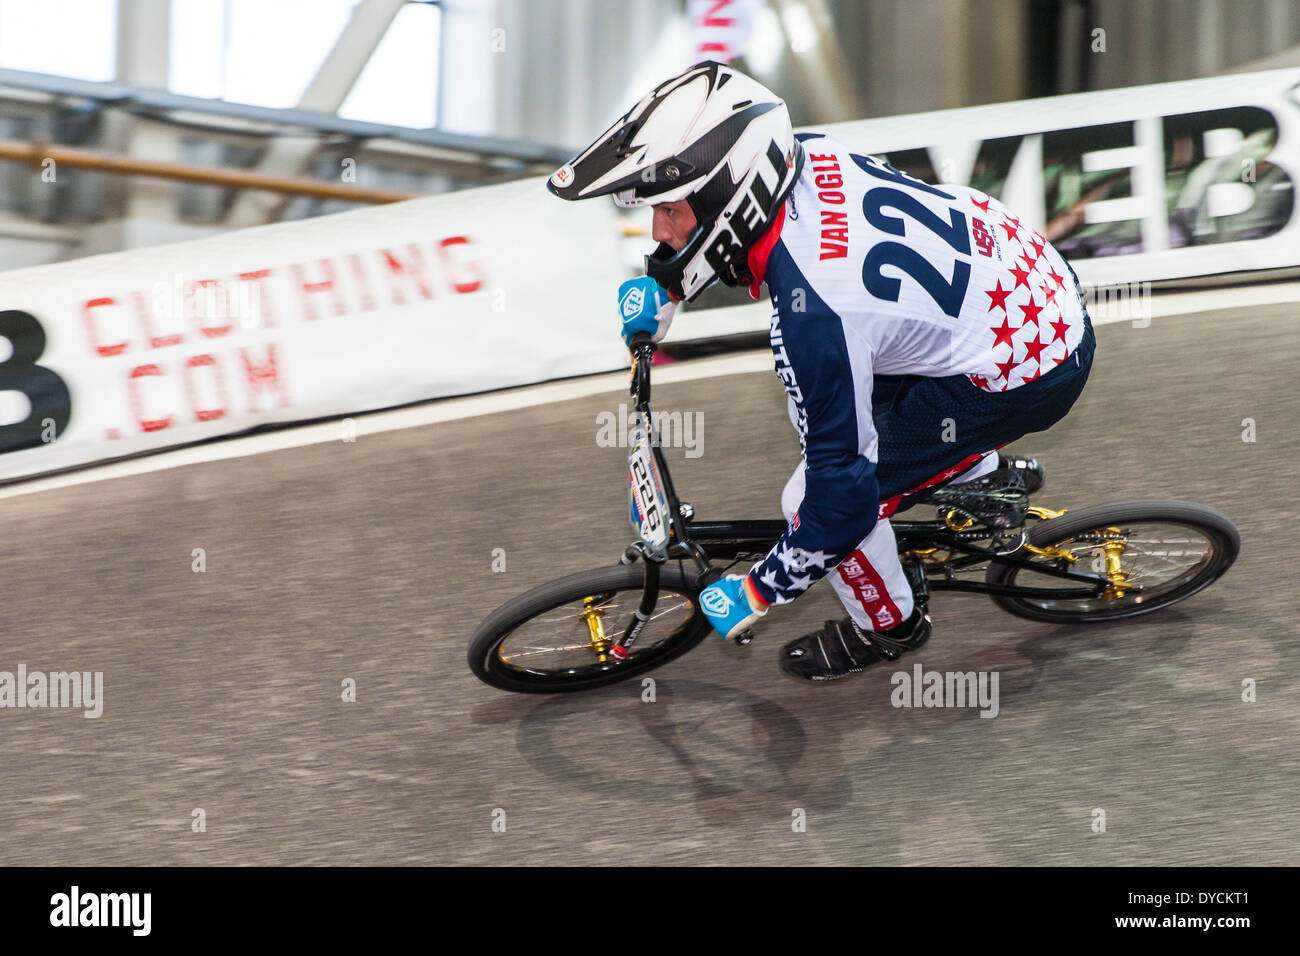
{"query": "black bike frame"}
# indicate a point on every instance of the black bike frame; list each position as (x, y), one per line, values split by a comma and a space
(734, 541)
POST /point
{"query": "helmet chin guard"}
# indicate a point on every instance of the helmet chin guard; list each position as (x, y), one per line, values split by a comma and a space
(713, 137)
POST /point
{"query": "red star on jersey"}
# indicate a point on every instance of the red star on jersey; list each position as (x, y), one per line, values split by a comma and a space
(979, 381)
(1038, 249)
(1031, 312)
(1029, 263)
(982, 205)
(1004, 369)
(1012, 231)
(999, 297)
(1022, 278)
(1037, 372)
(1002, 333)
(1048, 294)
(1060, 325)
(1033, 349)
(1057, 279)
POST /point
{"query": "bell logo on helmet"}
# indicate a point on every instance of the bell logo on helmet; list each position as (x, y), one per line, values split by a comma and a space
(563, 176)
(632, 302)
(729, 244)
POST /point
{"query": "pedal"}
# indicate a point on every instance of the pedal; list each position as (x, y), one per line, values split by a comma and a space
(744, 638)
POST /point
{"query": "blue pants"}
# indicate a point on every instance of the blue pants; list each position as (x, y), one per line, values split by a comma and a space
(912, 414)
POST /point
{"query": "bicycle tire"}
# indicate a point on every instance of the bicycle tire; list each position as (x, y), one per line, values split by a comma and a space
(1215, 525)
(487, 639)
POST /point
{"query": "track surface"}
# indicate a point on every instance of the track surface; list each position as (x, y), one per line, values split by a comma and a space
(373, 561)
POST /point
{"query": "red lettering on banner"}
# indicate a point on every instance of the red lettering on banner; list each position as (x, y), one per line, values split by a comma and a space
(266, 314)
(363, 282)
(449, 265)
(397, 269)
(825, 158)
(209, 292)
(137, 406)
(834, 197)
(326, 285)
(93, 330)
(191, 392)
(829, 180)
(832, 218)
(143, 317)
(263, 376)
(711, 19)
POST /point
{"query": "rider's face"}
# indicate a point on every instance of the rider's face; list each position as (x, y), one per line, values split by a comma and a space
(673, 223)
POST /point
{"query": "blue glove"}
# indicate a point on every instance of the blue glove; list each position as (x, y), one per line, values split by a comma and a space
(731, 606)
(646, 307)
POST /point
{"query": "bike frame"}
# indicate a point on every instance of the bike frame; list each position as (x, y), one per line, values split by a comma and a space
(734, 541)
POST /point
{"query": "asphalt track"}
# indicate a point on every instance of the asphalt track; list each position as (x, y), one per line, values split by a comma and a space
(373, 561)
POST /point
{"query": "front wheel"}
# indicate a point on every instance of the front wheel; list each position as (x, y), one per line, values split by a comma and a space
(1152, 553)
(554, 638)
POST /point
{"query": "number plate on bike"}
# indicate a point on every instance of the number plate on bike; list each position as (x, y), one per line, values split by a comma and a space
(647, 504)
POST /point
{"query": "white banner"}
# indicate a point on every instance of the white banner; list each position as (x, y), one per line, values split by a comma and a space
(486, 288)
(1155, 182)
(489, 288)
(720, 29)
(1151, 183)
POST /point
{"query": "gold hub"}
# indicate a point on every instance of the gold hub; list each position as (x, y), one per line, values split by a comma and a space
(1115, 574)
(594, 617)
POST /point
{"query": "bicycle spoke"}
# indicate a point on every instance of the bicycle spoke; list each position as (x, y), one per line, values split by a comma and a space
(1156, 558)
(561, 640)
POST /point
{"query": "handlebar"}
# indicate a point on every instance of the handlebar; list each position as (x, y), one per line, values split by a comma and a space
(643, 349)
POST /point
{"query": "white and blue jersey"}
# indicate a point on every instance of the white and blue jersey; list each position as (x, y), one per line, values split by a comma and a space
(876, 279)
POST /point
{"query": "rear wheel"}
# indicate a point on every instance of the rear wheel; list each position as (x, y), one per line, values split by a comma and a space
(1152, 553)
(553, 638)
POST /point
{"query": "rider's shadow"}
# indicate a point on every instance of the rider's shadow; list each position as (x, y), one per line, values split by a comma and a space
(735, 753)
(742, 756)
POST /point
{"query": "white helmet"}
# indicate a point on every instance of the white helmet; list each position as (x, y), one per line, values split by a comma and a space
(713, 137)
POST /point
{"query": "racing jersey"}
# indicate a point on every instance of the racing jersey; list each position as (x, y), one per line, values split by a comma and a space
(874, 272)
